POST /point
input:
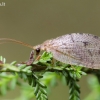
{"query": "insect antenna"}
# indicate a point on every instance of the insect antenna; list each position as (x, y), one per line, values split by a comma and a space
(6, 40)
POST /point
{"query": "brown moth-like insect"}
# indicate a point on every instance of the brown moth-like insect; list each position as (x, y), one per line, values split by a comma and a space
(80, 49)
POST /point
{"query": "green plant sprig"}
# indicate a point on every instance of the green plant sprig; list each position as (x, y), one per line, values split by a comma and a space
(35, 74)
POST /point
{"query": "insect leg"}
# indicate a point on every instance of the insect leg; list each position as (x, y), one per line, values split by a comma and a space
(38, 57)
(31, 58)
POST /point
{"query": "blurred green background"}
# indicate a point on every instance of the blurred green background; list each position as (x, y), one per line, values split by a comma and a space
(34, 21)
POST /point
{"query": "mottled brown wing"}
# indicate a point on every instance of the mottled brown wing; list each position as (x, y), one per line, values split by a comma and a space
(76, 49)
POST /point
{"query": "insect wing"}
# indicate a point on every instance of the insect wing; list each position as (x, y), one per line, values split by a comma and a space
(76, 49)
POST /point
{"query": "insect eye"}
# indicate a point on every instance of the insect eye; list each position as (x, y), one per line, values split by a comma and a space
(37, 51)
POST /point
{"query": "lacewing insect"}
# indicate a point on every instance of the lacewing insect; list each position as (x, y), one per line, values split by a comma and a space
(79, 49)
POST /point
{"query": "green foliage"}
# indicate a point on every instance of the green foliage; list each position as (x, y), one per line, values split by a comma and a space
(95, 87)
(41, 76)
(5, 80)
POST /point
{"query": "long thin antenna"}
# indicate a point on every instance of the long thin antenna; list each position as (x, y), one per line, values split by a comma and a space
(5, 40)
